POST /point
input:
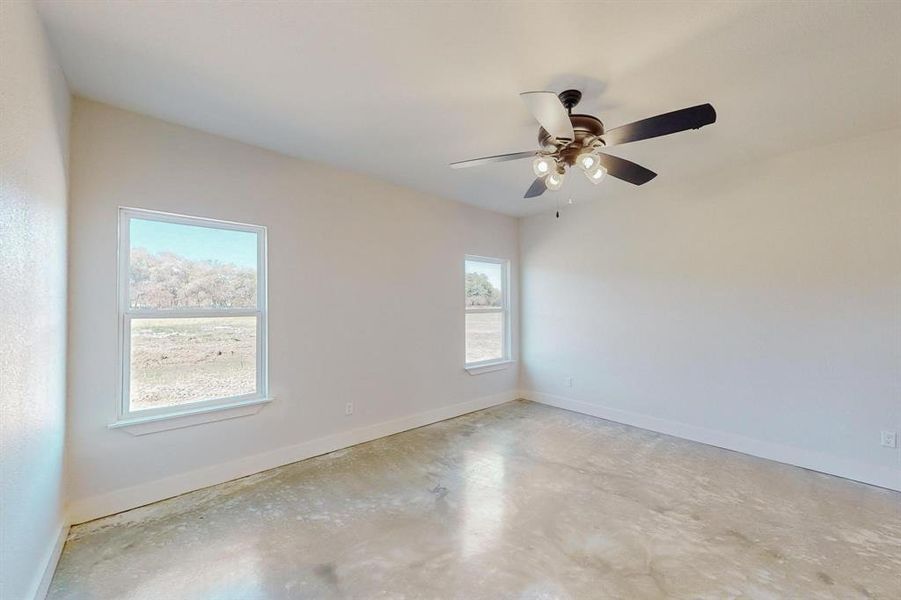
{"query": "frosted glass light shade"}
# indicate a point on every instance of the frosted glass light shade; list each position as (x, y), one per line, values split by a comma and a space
(554, 181)
(588, 161)
(597, 174)
(543, 165)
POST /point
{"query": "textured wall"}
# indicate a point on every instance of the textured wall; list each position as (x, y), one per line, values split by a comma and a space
(34, 121)
(365, 294)
(757, 306)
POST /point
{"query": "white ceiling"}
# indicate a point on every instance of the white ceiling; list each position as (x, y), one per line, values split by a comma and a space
(399, 90)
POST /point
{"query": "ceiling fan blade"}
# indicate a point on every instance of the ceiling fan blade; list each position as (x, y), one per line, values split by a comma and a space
(536, 189)
(626, 169)
(665, 124)
(475, 162)
(550, 113)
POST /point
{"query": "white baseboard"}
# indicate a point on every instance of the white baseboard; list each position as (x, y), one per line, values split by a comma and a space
(885, 477)
(49, 565)
(110, 503)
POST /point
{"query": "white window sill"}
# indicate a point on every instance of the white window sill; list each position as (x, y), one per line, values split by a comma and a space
(489, 367)
(189, 418)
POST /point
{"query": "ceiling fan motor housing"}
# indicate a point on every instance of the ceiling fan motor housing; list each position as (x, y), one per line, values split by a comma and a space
(588, 131)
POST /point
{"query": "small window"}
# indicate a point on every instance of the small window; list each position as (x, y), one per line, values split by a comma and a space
(487, 310)
(192, 310)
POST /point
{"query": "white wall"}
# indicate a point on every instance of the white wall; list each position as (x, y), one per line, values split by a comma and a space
(34, 122)
(757, 309)
(365, 301)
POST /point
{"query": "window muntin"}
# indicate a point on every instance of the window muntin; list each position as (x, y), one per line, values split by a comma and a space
(192, 313)
(487, 316)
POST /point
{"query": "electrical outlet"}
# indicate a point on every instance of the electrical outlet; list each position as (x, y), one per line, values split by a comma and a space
(568, 381)
(349, 408)
(889, 439)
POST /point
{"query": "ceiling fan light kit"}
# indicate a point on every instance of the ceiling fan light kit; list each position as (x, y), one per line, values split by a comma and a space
(566, 139)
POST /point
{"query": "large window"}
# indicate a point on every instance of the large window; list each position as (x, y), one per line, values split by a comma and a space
(487, 310)
(192, 312)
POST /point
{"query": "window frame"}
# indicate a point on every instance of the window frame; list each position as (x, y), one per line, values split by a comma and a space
(126, 315)
(505, 309)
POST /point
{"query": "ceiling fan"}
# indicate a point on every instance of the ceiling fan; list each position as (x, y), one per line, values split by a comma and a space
(566, 139)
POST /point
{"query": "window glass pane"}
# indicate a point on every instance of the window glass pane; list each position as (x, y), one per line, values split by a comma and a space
(484, 336)
(187, 266)
(176, 361)
(484, 285)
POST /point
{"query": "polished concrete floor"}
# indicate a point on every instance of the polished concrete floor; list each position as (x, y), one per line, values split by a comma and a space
(518, 501)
